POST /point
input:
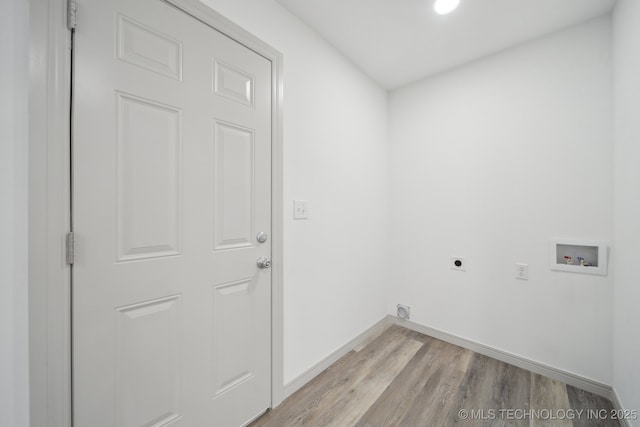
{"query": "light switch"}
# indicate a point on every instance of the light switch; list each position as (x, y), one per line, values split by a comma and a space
(300, 209)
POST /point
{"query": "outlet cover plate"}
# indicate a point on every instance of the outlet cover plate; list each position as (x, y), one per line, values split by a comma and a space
(403, 311)
(522, 271)
(300, 209)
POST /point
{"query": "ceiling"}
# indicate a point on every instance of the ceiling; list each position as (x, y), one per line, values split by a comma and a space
(396, 42)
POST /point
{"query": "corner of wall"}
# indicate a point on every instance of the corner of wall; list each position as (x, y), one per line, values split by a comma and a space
(626, 59)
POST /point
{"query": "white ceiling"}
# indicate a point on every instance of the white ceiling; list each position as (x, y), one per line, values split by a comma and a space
(400, 41)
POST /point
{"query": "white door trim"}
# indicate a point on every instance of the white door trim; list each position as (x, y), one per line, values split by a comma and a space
(49, 205)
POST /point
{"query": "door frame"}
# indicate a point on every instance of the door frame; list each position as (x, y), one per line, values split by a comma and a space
(50, 204)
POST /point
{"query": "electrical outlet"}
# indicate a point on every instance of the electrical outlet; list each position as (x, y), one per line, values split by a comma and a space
(404, 311)
(458, 263)
(522, 271)
(300, 209)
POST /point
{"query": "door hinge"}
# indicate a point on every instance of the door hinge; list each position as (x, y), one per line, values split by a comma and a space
(70, 253)
(72, 10)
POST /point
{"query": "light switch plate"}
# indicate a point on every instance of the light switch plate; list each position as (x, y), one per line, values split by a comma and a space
(300, 209)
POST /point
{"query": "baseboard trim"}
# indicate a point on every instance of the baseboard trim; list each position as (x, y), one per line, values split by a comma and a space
(557, 374)
(359, 341)
(617, 404)
(355, 343)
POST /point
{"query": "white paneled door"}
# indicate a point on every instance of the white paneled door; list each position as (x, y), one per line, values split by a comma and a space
(172, 184)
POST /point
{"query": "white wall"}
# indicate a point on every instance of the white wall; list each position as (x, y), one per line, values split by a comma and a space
(14, 357)
(626, 65)
(335, 144)
(490, 161)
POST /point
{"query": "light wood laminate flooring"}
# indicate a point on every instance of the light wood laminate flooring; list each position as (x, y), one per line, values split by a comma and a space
(404, 378)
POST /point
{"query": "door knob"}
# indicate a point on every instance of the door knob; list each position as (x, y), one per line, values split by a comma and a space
(263, 262)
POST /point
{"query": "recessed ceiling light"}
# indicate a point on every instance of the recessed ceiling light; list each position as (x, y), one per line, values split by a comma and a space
(443, 7)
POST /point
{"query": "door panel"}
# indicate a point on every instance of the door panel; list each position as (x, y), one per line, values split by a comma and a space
(148, 174)
(150, 49)
(233, 83)
(148, 363)
(234, 186)
(233, 361)
(172, 182)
